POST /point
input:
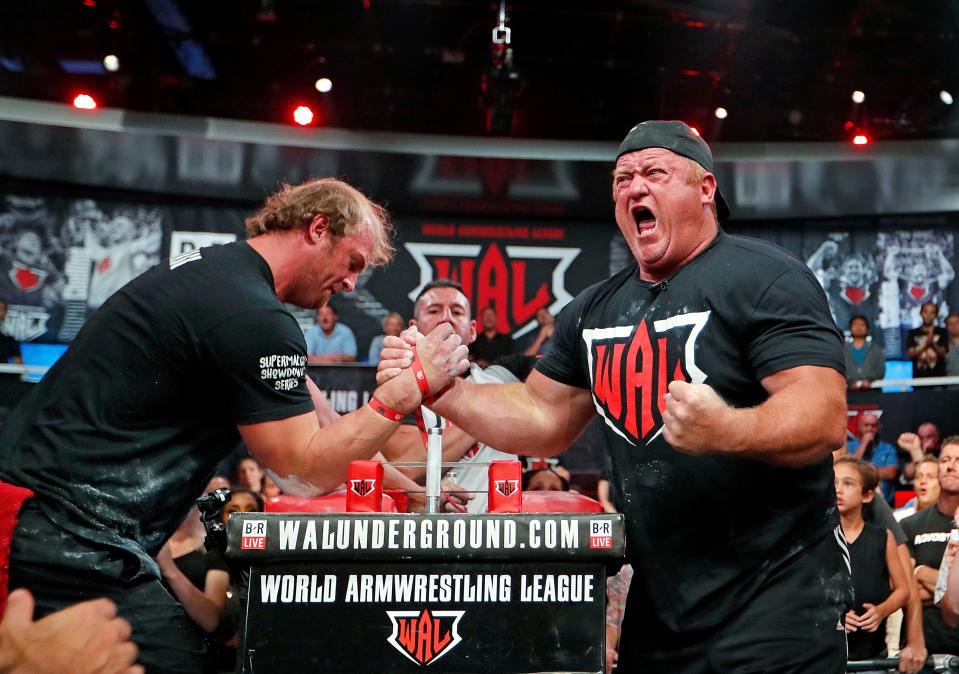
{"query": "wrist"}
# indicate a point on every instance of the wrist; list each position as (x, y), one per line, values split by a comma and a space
(400, 393)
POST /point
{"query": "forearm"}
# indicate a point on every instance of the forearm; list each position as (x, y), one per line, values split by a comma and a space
(926, 576)
(913, 610)
(896, 600)
(797, 425)
(539, 418)
(202, 610)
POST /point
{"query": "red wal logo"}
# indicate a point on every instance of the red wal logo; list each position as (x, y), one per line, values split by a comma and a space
(362, 487)
(516, 280)
(630, 369)
(507, 487)
(426, 636)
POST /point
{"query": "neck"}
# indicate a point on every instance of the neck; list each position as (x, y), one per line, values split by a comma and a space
(490, 332)
(282, 256)
(657, 275)
(852, 523)
(948, 503)
(328, 332)
(858, 342)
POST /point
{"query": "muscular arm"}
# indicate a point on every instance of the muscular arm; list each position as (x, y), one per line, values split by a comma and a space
(540, 417)
(899, 597)
(802, 421)
(913, 655)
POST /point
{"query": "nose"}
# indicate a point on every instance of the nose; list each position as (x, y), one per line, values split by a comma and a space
(349, 283)
(637, 186)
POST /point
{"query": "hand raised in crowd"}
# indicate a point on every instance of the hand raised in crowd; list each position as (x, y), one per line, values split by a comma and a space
(912, 444)
(81, 639)
(696, 419)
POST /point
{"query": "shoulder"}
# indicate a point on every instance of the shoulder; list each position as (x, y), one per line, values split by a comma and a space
(762, 261)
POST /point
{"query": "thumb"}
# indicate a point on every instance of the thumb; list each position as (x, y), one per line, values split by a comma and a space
(19, 613)
(679, 389)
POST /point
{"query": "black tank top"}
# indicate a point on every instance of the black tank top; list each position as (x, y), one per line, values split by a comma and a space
(870, 581)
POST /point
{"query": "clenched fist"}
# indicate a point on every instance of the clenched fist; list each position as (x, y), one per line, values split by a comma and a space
(696, 419)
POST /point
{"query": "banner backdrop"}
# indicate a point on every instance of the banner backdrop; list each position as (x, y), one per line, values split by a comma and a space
(61, 257)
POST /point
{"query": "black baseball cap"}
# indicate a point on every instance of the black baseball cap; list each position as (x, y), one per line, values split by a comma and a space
(676, 137)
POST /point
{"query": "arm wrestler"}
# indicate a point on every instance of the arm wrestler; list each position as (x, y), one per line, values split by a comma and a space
(717, 371)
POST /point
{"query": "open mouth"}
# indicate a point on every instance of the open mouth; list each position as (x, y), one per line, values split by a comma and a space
(644, 218)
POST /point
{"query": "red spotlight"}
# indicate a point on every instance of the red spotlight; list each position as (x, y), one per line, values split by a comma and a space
(84, 102)
(303, 115)
(860, 139)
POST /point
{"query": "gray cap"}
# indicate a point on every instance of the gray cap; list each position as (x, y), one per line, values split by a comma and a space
(676, 137)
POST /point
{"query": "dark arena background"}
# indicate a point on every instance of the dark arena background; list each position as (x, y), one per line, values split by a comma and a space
(136, 131)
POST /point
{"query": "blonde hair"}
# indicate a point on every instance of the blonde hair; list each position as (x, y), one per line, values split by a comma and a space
(349, 211)
(694, 176)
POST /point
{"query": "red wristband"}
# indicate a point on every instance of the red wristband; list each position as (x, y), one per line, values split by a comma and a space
(420, 376)
(385, 410)
(436, 396)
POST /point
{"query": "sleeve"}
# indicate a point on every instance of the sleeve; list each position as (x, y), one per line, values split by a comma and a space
(908, 528)
(886, 457)
(260, 357)
(791, 326)
(562, 361)
(882, 516)
(348, 340)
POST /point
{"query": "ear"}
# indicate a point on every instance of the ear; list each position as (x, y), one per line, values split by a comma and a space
(472, 332)
(412, 323)
(869, 496)
(708, 188)
(319, 225)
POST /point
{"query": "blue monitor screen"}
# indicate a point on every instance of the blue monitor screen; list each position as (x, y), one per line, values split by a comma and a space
(40, 354)
(897, 369)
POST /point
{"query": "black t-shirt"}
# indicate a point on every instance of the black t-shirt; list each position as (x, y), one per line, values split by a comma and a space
(915, 338)
(196, 563)
(928, 531)
(128, 426)
(870, 581)
(490, 348)
(9, 348)
(702, 532)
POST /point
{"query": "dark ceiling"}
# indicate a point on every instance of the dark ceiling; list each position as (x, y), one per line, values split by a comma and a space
(579, 70)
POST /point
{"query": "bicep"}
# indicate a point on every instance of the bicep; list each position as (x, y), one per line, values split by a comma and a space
(829, 381)
(566, 408)
(270, 442)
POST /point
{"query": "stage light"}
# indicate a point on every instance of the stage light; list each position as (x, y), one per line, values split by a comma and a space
(111, 63)
(860, 139)
(303, 115)
(858, 96)
(324, 85)
(721, 113)
(945, 97)
(84, 102)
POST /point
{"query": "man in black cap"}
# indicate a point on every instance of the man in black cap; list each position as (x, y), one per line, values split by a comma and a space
(718, 371)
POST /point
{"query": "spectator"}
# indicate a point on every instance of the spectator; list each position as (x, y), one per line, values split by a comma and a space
(9, 347)
(329, 341)
(197, 578)
(927, 488)
(874, 560)
(928, 532)
(605, 493)
(270, 488)
(617, 587)
(490, 343)
(544, 336)
(952, 355)
(913, 447)
(249, 475)
(882, 455)
(544, 479)
(928, 344)
(392, 325)
(865, 360)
